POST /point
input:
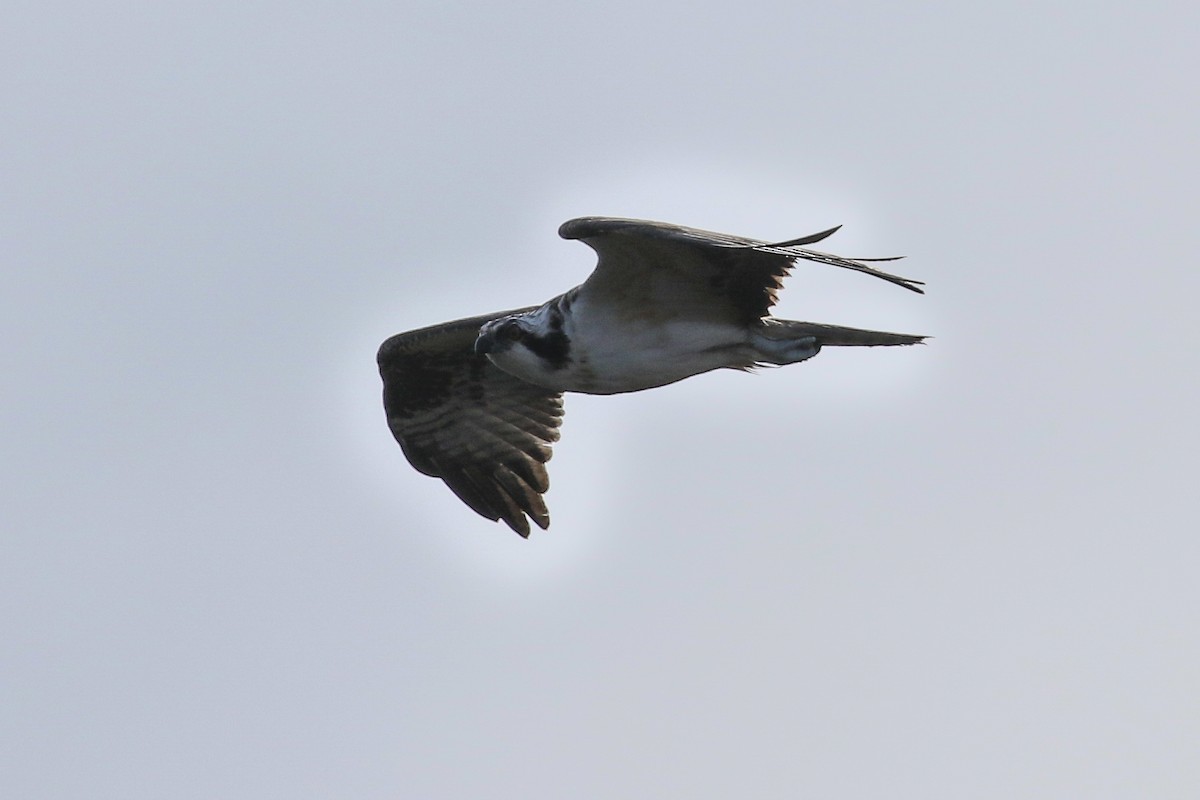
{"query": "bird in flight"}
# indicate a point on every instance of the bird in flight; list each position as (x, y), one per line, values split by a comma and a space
(477, 402)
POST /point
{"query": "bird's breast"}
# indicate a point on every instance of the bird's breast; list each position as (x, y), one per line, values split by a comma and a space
(609, 356)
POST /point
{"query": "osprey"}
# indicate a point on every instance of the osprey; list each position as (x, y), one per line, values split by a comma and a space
(478, 402)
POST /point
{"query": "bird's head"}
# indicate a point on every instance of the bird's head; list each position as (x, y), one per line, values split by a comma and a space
(500, 335)
(532, 346)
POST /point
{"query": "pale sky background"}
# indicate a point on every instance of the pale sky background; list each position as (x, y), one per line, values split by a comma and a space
(965, 570)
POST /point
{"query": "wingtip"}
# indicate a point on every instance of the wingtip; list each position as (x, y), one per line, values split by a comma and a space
(812, 238)
(524, 530)
(520, 525)
(578, 228)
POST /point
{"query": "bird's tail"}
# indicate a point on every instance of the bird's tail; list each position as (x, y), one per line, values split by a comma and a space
(834, 335)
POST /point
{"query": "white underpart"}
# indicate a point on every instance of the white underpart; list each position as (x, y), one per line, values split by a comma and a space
(612, 353)
(637, 354)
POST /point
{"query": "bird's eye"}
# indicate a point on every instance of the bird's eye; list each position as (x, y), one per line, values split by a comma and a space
(512, 331)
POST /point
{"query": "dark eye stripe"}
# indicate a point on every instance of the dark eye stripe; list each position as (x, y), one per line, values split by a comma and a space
(553, 348)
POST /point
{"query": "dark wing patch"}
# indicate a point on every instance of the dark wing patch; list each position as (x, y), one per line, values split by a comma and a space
(460, 418)
(724, 277)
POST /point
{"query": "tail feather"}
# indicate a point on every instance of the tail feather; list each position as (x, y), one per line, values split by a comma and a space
(835, 335)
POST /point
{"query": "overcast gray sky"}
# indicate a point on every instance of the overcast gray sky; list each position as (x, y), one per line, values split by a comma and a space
(961, 570)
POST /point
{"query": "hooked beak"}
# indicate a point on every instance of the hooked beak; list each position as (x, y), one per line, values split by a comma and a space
(485, 343)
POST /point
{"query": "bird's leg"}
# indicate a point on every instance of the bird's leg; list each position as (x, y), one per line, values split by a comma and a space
(784, 351)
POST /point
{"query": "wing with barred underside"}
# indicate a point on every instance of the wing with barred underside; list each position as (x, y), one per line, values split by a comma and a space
(460, 418)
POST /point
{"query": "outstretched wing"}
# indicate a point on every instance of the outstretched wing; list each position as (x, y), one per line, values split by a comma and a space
(460, 418)
(653, 265)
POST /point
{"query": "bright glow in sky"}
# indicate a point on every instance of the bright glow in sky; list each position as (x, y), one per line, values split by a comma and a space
(959, 570)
